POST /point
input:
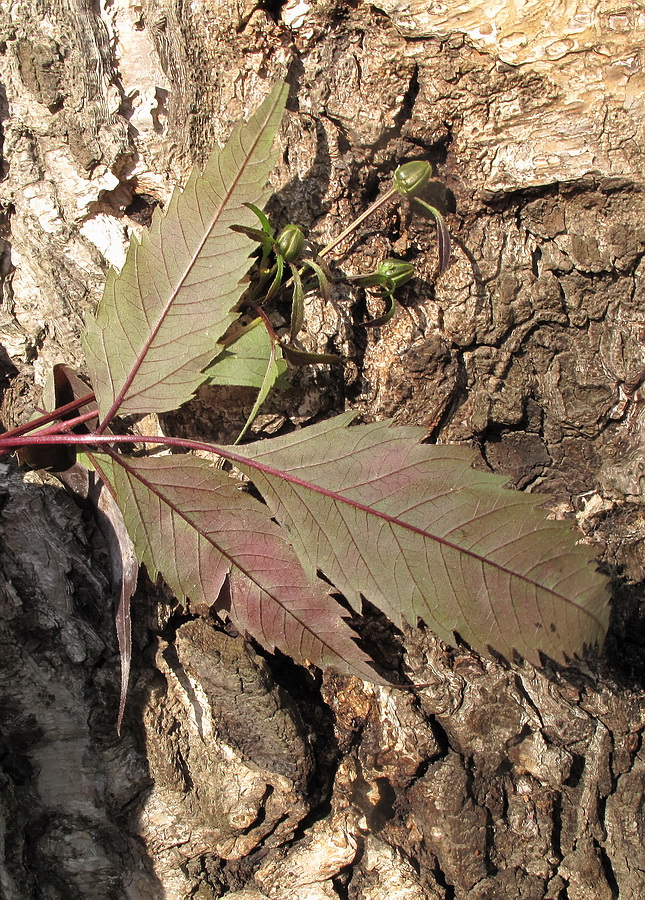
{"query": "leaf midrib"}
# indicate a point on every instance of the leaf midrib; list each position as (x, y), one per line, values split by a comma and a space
(242, 461)
(394, 520)
(154, 489)
(120, 397)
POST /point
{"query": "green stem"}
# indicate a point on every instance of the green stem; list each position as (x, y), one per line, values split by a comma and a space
(347, 231)
(262, 283)
(353, 225)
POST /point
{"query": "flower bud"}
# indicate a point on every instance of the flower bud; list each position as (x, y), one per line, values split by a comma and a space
(290, 243)
(412, 177)
(398, 271)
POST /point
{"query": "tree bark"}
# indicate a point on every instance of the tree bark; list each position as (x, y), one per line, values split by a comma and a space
(242, 775)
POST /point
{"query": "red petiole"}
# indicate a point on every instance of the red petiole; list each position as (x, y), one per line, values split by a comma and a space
(58, 413)
(11, 440)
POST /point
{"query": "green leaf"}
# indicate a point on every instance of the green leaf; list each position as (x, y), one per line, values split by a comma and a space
(159, 319)
(323, 275)
(304, 358)
(387, 315)
(277, 279)
(255, 234)
(266, 225)
(243, 363)
(422, 535)
(252, 360)
(194, 526)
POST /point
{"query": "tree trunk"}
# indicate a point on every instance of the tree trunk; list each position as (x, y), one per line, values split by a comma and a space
(245, 776)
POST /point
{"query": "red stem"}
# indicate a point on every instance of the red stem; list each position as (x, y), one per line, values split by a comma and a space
(51, 416)
(267, 322)
(59, 428)
(94, 439)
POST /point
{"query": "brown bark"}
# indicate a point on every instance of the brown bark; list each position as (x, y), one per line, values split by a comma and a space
(247, 777)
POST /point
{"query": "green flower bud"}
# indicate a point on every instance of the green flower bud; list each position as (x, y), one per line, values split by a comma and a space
(290, 243)
(398, 271)
(412, 177)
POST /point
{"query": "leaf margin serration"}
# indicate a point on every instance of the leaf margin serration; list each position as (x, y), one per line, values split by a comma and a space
(582, 613)
(186, 518)
(141, 355)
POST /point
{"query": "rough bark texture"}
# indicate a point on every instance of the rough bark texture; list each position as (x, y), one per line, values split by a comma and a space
(246, 777)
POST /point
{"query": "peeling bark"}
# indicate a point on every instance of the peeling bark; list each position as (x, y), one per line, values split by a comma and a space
(241, 775)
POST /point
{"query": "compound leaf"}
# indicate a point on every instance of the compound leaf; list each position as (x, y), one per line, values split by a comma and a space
(158, 322)
(422, 535)
(194, 525)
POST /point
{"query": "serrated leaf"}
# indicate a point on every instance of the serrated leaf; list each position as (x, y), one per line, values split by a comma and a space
(158, 322)
(193, 525)
(422, 535)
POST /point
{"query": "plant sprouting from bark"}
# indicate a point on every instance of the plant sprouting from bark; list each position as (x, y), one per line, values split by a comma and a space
(411, 527)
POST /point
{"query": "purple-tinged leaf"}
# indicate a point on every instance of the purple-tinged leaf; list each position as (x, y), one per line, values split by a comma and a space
(158, 322)
(192, 524)
(422, 535)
